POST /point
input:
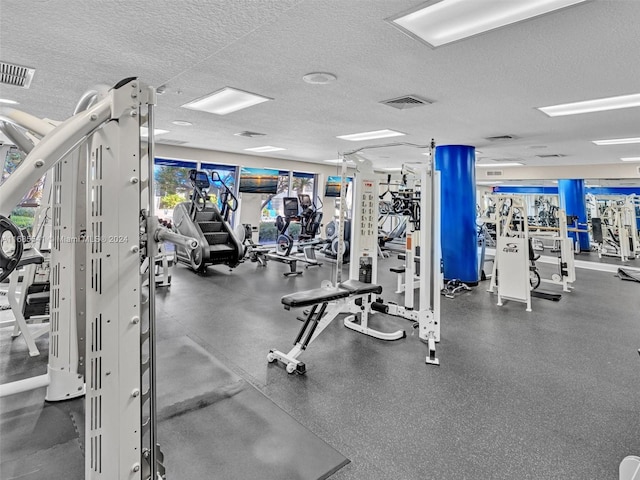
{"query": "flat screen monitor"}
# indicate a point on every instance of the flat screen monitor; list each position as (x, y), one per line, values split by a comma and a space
(332, 186)
(258, 180)
(290, 206)
(305, 200)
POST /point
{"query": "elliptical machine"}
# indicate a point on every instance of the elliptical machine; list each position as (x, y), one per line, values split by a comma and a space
(285, 241)
(302, 210)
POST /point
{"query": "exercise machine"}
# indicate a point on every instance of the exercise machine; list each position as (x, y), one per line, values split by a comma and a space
(562, 246)
(300, 210)
(104, 320)
(515, 276)
(357, 296)
(201, 219)
(615, 231)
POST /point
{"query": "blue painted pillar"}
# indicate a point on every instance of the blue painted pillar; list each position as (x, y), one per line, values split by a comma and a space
(574, 202)
(459, 238)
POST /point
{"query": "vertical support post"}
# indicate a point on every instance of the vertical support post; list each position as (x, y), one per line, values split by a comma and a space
(456, 164)
(574, 203)
(151, 255)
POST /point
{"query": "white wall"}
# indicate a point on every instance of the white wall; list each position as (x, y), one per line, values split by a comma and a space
(614, 170)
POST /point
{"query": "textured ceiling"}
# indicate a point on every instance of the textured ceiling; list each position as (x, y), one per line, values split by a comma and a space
(484, 86)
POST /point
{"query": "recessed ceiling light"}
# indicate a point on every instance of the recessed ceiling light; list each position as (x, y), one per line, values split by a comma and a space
(498, 165)
(448, 21)
(630, 159)
(589, 106)
(337, 160)
(357, 137)
(8, 102)
(266, 148)
(226, 100)
(182, 123)
(319, 78)
(144, 131)
(617, 141)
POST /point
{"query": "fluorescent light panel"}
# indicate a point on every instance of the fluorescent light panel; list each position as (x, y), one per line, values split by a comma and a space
(393, 169)
(338, 160)
(630, 159)
(498, 165)
(266, 148)
(144, 131)
(448, 21)
(8, 101)
(489, 183)
(226, 101)
(590, 106)
(357, 137)
(617, 141)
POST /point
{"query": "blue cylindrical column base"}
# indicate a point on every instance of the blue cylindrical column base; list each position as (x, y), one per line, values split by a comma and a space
(574, 203)
(459, 235)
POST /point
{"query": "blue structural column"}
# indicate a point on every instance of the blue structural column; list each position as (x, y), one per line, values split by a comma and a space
(574, 203)
(459, 238)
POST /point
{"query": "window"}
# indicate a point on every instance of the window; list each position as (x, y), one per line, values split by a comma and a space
(172, 184)
(228, 175)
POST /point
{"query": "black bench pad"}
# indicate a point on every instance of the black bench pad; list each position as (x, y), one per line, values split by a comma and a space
(307, 298)
(29, 257)
(38, 298)
(360, 288)
(398, 269)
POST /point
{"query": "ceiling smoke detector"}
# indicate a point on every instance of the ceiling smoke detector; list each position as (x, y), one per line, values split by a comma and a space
(406, 101)
(319, 78)
(249, 134)
(16, 75)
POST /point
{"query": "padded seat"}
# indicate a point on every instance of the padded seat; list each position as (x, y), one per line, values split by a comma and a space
(308, 298)
(38, 298)
(398, 269)
(30, 257)
(360, 288)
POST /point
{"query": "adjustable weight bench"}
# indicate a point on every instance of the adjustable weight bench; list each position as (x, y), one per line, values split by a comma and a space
(326, 304)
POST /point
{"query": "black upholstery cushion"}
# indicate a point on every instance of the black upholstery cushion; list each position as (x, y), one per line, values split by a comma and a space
(30, 256)
(360, 288)
(307, 298)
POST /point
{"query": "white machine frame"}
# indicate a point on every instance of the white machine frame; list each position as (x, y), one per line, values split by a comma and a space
(562, 241)
(114, 240)
(363, 267)
(512, 252)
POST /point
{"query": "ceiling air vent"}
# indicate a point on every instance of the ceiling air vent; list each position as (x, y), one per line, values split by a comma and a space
(493, 173)
(16, 75)
(249, 134)
(501, 138)
(552, 155)
(406, 101)
(168, 141)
